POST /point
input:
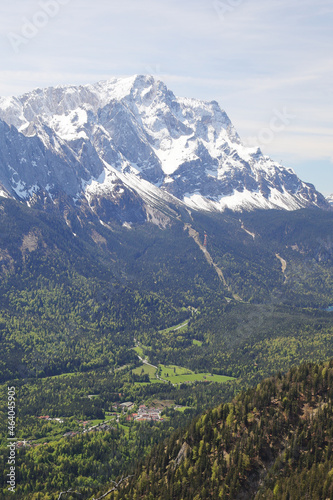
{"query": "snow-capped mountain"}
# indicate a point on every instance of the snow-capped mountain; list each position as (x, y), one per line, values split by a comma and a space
(329, 198)
(131, 141)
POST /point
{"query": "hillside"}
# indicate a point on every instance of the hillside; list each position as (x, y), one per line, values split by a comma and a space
(210, 319)
(271, 442)
(152, 267)
(66, 289)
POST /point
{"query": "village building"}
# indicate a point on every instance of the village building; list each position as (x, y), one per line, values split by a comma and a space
(127, 406)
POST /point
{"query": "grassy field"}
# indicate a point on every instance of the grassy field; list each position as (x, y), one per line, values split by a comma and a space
(197, 342)
(109, 417)
(183, 408)
(168, 371)
(179, 375)
(181, 327)
(152, 381)
(94, 422)
(200, 377)
(139, 351)
(124, 428)
(145, 370)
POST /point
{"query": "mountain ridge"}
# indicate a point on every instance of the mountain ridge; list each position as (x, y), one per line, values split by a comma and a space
(108, 140)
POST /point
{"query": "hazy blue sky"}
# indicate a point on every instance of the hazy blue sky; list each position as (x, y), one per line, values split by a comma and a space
(269, 63)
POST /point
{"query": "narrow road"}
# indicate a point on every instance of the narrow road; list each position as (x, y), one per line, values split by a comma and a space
(145, 362)
(181, 326)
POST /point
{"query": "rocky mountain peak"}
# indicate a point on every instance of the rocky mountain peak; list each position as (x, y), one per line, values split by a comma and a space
(79, 139)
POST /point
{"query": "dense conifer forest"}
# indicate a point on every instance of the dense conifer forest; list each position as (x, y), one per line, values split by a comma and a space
(271, 442)
(102, 316)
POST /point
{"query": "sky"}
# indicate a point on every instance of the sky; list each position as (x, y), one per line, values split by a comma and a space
(269, 63)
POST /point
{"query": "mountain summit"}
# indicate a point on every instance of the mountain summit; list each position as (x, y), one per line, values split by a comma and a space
(131, 142)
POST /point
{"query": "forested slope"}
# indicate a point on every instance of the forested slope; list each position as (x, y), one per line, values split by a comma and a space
(270, 442)
(78, 297)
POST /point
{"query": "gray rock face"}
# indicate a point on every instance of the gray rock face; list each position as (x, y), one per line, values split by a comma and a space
(27, 165)
(126, 145)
